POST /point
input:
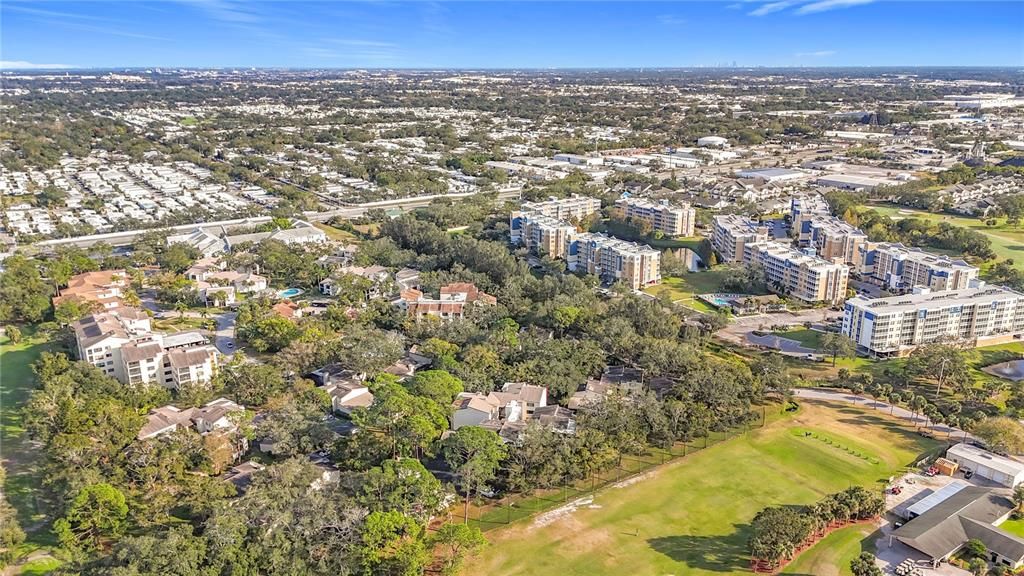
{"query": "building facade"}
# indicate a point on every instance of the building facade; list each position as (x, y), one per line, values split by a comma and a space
(797, 274)
(899, 268)
(668, 219)
(731, 232)
(894, 326)
(612, 259)
(122, 344)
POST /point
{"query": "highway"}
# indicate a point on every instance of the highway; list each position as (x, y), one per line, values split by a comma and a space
(126, 237)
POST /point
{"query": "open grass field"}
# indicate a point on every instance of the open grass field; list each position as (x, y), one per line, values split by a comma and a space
(831, 556)
(684, 289)
(337, 234)
(692, 516)
(20, 455)
(808, 338)
(1007, 241)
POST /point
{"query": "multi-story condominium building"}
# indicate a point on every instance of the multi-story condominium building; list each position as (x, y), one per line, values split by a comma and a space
(731, 232)
(546, 235)
(121, 343)
(899, 268)
(832, 238)
(568, 209)
(797, 274)
(894, 326)
(803, 208)
(670, 220)
(612, 259)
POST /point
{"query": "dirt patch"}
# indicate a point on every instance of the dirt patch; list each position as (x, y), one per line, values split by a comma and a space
(562, 511)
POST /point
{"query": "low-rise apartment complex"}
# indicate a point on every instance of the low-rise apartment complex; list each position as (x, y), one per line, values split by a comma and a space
(121, 343)
(899, 268)
(894, 326)
(797, 274)
(105, 288)
(664, 217)
(615, 260)
(731, 232)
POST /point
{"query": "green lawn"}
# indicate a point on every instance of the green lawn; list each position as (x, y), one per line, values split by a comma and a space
(683, 289)
(807, 337)
(21, 457)
(832, 555)
(1007, 241)
(189, 121)
(1013, 527)
(337, 234)
(692, 516)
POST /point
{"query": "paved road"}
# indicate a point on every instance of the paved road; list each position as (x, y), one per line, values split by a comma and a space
(739, 327)
(224, 337)
(844, 396)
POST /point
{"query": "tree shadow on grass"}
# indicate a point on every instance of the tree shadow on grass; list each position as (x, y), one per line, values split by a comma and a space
(725, 553)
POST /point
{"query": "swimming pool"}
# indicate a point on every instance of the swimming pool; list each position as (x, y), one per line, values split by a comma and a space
(290, 292)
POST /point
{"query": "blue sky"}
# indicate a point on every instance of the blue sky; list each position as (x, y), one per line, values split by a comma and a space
(486, 34)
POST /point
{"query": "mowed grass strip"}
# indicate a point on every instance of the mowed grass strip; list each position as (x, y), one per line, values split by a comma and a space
(692, 516)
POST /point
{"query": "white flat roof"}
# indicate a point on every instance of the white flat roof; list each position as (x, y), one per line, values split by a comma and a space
(935, 498)
(987, 459)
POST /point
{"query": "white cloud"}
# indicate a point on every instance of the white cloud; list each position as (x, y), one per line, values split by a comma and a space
(826, 5)
(770, 7)
(816, 54)
(23, 65)
(671, 20)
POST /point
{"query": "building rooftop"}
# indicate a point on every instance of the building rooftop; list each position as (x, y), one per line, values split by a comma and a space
(925, 300)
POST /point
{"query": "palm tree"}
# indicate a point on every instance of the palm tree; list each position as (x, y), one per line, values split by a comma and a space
(180, 307)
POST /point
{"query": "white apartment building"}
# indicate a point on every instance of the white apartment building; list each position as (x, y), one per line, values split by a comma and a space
(794, 273)
(612, 259)
(546, 235)
(121, 343)
(832, 238)
(899, 268)
(731, 232)
(573, 207)
(894, 326)
(671, 220)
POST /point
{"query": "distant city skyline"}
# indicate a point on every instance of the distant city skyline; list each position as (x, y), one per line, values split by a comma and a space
(746, 33)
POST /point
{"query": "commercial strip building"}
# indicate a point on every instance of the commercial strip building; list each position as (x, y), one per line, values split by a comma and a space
(731, 232)
(121, 343)
(899, 268)
(668, 219)
(894, 326)
(798, 274)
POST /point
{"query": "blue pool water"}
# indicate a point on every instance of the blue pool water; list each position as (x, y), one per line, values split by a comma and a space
(289, 292)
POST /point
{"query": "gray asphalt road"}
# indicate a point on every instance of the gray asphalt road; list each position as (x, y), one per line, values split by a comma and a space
(224, 338)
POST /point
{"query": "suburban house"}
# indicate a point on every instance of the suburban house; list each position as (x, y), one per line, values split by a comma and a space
(377, 275)
(348, 395)
(104, 287)
(287, 309)
(121, 343)
(615, 380)
(218, 287)
(213, 421)
(515, 402)
(452, 303)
